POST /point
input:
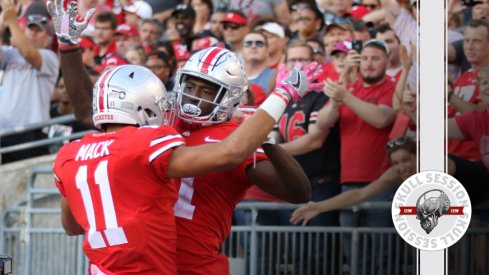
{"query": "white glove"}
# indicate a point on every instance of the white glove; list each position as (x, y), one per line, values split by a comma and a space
(67, 28)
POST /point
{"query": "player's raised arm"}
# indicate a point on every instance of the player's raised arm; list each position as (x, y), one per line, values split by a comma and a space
(250, 134)
(77, 81)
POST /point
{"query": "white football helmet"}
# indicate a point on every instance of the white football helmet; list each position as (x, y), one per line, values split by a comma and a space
(220, 67)
(129, 94)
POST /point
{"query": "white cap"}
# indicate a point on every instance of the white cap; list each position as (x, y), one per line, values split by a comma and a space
(141, 9)
(272, 28)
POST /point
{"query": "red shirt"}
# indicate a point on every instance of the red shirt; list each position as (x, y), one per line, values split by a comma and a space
(467, 89)
(475, 126)
(258, 93)
(363, 157)
(117, 188)
(111, 50)
(329, 71)
(206, 205)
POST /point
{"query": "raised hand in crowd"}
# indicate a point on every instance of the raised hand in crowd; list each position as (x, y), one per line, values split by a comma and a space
(9, 11)
(352, 63)
(407, 60)
(454, 8)
(336, 90)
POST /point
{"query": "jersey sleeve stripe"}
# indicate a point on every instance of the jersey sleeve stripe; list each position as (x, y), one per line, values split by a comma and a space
(165, 138)
(164, 149)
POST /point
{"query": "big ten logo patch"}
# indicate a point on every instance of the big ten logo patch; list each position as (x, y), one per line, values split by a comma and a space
(431, 210)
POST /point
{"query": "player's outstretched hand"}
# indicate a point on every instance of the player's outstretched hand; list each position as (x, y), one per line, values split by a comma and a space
(67, 28)
(305, 213)
(296, 83)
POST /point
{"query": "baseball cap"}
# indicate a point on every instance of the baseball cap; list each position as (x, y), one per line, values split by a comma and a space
(342, 46)
(141, 9)
(235, 17)
(377, 43)
(127, 30)
(340, 22)
(37, 14)
(113, 61)
(184, 9)
(199, 43)
(357, 12)
(272, 28)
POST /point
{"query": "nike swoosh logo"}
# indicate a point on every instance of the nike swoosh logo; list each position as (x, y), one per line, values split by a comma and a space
(209, 139)
(297, 84)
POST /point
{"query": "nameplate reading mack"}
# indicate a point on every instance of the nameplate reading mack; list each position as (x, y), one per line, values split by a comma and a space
(94, 150)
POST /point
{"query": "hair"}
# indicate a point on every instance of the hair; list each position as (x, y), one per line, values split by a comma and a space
(296, 43)
(408, 144)
(163, 56)
(140, 51)
(153, 22)
(385, 28)
(260, 34)
(209, 4)
(321, 45)
(479, 23)
(107, 16)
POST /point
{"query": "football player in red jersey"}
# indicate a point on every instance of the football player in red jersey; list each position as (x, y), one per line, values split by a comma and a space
(208, 91)
(117, 185)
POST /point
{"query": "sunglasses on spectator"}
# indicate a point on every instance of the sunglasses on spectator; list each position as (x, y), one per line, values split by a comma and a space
(298, 60)
(231, 26)
(338, 20)
(258, 43)
(317, 51)
(301, 6)
(37, 18)
(397, 142)
(370, 6)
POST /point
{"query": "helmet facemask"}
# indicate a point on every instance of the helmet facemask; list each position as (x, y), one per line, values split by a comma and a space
(218, 67)
(193, 109)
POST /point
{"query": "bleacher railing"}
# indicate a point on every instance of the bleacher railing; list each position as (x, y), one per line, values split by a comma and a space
(253, 249)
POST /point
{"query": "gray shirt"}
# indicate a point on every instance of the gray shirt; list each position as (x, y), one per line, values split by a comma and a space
(26, 91)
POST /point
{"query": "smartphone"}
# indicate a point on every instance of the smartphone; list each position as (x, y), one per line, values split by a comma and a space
(357, 45)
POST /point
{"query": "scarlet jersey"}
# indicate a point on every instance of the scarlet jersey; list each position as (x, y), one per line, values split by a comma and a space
(363, 157)
(117, 188)
(467, 89)
(206, 205)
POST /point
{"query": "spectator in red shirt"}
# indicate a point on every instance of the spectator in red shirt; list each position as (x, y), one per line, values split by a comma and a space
(105, 26)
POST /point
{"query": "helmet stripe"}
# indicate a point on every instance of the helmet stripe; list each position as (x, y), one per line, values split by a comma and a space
(208, 60)
(101, 93)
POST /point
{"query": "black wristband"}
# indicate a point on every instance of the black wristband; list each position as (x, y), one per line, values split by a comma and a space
(69, 50)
